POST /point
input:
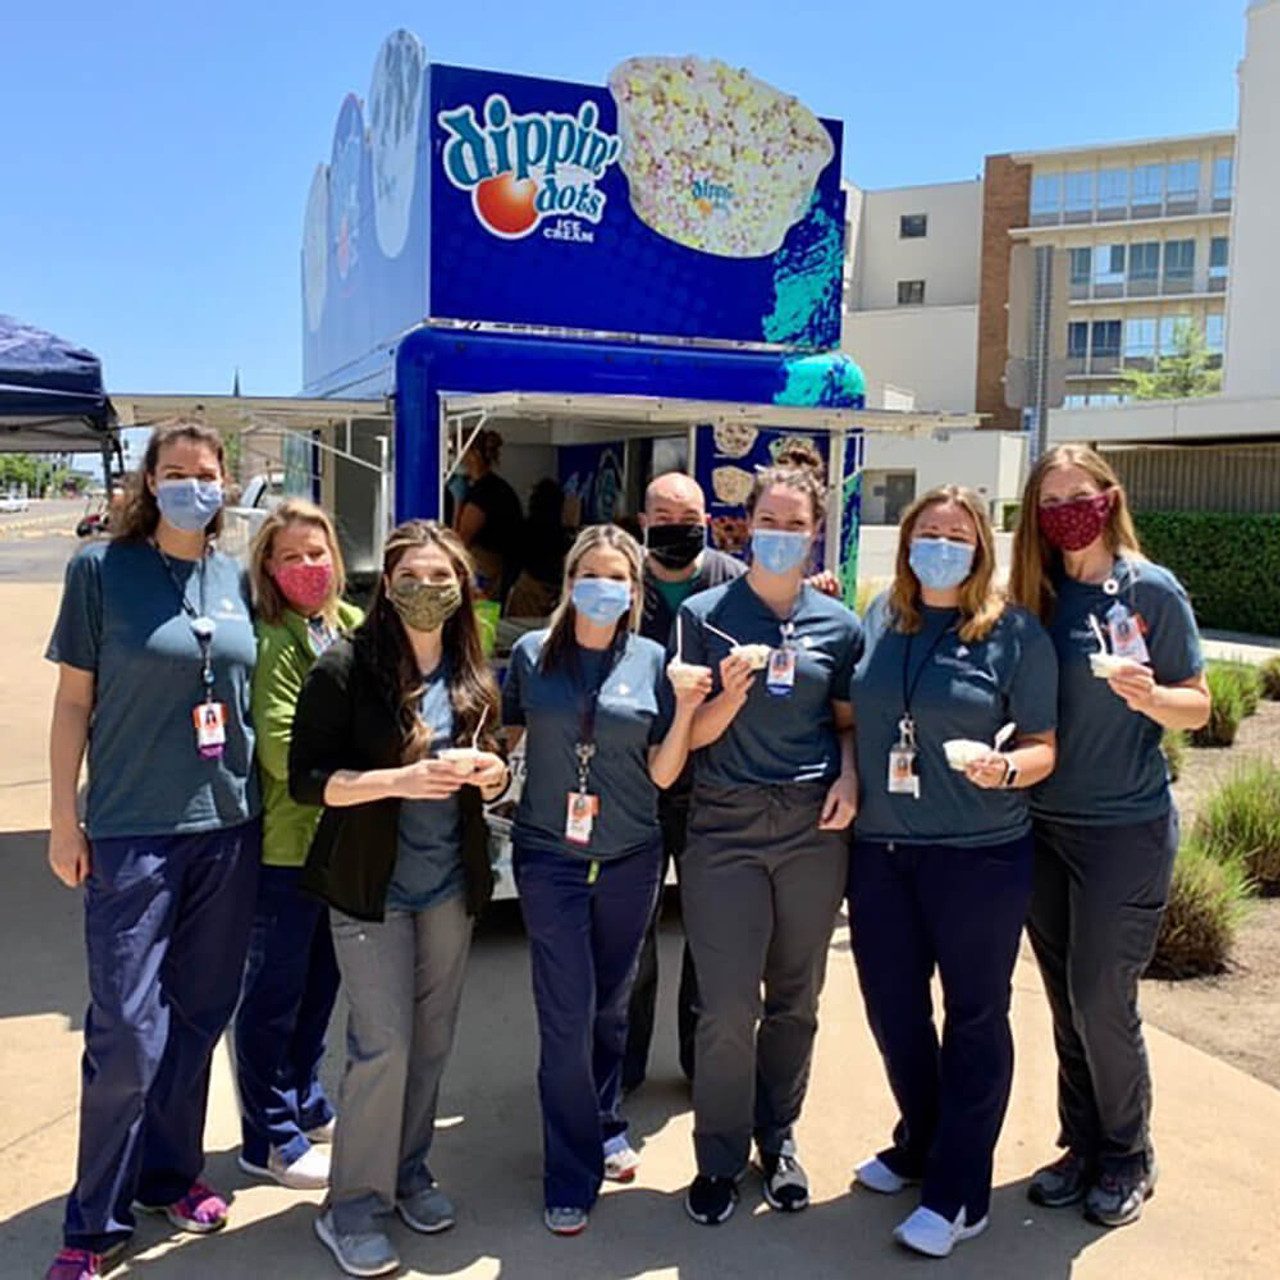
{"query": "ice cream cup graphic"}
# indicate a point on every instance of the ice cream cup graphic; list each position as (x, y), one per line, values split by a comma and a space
(395, 108)
(716, 159)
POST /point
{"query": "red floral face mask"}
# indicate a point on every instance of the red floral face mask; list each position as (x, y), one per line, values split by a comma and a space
(1072, 526)
(305, 586)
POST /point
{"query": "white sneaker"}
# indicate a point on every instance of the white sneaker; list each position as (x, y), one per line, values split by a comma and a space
(309, 1172)
(323, 1134)
(931, 1234)
(621, 1163)
(876, 1176)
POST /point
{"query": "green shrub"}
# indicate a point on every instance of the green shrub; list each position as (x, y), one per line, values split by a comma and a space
(1247, 680)
(1271, 679)
(1226, 712)
(1174, 746)
(1208, 899)
(1229, 564)
(1242, 821)
(1009, 517)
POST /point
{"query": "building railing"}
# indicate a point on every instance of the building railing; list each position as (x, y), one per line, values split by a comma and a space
(1132, 211)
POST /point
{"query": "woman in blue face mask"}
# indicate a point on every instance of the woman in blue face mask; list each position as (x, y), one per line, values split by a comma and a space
(155, 649)
(605, 730)
(955, 703)
(773, 795)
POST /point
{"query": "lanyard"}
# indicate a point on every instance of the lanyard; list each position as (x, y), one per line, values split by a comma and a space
(202, 626)
(909, 686)
(585, 748)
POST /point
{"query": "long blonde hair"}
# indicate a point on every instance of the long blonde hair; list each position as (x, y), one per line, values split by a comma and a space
(473, 692)
(1035, 559)
(981, 604)
(267, 596)
(560, 629)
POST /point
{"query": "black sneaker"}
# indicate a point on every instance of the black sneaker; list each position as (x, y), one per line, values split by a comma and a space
(711, 1201)
(1062, 1183)
(1116, 1199)
(786, 1185)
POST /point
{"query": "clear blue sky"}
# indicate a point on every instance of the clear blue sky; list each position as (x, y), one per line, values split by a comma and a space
(157, 156)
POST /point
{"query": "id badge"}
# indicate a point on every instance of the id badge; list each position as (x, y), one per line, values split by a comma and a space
(580, 814)
(780, 679)
(1127, 640)
(210, 720)
(903, 778)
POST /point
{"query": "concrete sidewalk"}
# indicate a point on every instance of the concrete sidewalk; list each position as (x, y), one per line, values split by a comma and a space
(1217, 1129)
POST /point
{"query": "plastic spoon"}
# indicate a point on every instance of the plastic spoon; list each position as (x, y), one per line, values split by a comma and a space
(1004, 735)
(475, 740)
(724, 635)
(679, 638)
(1097, 632)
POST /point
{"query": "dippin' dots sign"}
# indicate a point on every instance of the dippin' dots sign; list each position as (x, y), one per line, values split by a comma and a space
(522, 169)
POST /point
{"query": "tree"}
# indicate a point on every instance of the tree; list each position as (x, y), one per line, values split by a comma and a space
(1184, 374)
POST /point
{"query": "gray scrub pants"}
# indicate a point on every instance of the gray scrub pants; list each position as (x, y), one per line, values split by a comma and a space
(760, 886)
(403, 980)
(1098, 898)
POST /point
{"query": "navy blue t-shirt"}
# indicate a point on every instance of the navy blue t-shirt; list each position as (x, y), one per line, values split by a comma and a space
(963, 689)
(429, 859)
(1111, 771)
(122, 619)
(633, 713)
(774, 739)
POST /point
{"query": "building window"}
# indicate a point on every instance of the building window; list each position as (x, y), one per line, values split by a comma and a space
(1170, 327)
(1219, 253)
(1106, 339)
(1108, 265)
(1144, 260)
(1223, 179)
(1215, 332)
(1183, 183)
(1077, 340)
(1075, 402)
(1179, 260)
(1079, 191)
(1148, 188)
(1081, 266)
(1046, 196)
(910, 293)
(913, 226)
(1113, 190)
(1140, 338)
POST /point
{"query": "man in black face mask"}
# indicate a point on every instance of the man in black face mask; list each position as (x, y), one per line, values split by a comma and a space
(677, 564)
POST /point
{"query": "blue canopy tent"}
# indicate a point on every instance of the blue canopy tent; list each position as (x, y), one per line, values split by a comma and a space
(51, 395)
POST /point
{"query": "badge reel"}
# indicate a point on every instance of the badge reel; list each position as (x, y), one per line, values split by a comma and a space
(904, 779)
(581, 807)
(209, 717)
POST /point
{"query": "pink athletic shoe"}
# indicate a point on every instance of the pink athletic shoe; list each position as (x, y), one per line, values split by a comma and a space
(77, 1264)
(200, 1211)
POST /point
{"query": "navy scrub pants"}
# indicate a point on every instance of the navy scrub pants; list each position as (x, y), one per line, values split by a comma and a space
(585, 933)
(290, 984)
(166, 928)
(1099, 897)
(761, 886)
(914, 909)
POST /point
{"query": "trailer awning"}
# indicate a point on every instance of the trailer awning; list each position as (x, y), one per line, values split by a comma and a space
(235, 413)
(647, 413)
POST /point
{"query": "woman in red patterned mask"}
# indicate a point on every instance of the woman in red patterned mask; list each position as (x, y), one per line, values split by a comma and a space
(1105, 828)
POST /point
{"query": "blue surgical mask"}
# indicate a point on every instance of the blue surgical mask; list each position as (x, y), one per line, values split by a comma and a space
(189, 504)
(601, 600)
(939, 564)
(780, 551)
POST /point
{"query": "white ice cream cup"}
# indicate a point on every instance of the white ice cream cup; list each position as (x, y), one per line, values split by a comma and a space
(464, 759)
(685, 675)
(756, 656)
(962, 752)
(1105, 665)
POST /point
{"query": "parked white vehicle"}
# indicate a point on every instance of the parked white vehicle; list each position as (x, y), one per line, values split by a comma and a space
(13, 502)
(262, 494)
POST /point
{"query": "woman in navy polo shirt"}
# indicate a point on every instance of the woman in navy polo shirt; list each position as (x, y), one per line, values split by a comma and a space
(155, 651)
(773, 795)
(1105, 826)
(602, 739)
(940, 875)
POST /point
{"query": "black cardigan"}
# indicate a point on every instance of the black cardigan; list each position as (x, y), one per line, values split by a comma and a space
(345, 721)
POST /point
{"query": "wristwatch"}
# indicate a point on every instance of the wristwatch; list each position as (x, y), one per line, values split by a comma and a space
(1010, 779)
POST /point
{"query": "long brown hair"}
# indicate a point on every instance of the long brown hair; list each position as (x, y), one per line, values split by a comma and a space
(1035, 559)
(560, 629)
(980, 603)
(140, 515)
(472, 688)
(267, 597)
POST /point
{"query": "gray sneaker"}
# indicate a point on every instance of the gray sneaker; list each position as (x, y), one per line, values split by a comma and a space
(1062, 1183)
(428, 1211)
(1116, 1200)
(366, 1253)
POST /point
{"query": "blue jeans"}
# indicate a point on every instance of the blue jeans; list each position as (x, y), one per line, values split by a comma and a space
(166, 928)
(290, 984)
(914, 908)
(584, 942)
